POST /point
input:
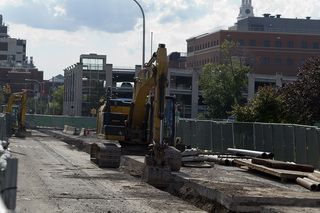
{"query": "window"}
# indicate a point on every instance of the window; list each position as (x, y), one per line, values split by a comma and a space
(241, 42)
(252, 43)
(289, 61)
(278, 61)
(3, 46)
(266, 61)
(304, 45)
(290, 44)
(278, 44)
(315, 45)
(267, 43)
(251, 61)
(211, 43)
(217, 42)
(214, 43)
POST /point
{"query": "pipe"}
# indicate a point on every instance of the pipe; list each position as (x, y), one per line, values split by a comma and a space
(313, 177)
(252, 153)
(313, 182)
(306, 184)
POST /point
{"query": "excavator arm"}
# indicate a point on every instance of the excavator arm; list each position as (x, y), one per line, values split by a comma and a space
(20, 130)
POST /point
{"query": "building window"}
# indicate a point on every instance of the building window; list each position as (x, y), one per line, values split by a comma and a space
(290, 44)
(278, 61)
(304, 45)
(267, 43)
(252, 43)
(251, 61)
(315, 45)
(266, 61)
(211, 43)
(206, 45)
(3, 46)
(278, 44)
(289, 61)
(241, 42)
(217, 42)
(302, 62)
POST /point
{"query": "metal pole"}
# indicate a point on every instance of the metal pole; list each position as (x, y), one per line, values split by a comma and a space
(144, 31)
(40, 92)
(53, 103)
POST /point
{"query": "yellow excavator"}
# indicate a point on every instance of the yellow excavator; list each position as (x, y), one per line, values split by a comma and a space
(18, 114)
(145, 123)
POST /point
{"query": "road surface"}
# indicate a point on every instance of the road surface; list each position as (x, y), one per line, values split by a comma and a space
(54, 177)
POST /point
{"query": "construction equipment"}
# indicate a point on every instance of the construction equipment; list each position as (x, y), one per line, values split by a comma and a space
(18, 124)
(146, 121)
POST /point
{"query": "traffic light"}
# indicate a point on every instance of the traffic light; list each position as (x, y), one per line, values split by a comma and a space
(42, 91)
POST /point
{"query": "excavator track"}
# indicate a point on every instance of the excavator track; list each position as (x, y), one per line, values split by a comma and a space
(105, 155)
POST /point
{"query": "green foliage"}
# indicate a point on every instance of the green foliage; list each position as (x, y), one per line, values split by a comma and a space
(201, 116)
(222, 85)
(58, 101)
(302, 98)
(266, 107)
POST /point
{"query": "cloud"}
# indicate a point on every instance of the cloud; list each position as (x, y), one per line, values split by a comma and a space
(112, 16)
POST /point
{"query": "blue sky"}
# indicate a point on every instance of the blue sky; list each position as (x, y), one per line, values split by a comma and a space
(59, 31)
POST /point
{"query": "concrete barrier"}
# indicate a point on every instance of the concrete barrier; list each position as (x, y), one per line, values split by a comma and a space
(69, 130)
(65, 129)
(83, 132)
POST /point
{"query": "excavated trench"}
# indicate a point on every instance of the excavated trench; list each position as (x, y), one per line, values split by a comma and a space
(176, 188)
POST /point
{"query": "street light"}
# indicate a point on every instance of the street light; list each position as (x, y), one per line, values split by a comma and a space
(35, 105)
(40, 91)
(144, 31)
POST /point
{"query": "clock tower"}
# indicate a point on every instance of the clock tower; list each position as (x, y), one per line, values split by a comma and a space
(246, 9)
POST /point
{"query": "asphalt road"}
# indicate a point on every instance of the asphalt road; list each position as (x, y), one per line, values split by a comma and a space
(54, 177)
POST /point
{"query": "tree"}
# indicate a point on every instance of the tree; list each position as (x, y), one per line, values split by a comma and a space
(58, 101)
(222, 85)
(302, 97)
(265, 107)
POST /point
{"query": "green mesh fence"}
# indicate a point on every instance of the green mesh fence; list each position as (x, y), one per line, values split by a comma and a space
(60, 121)
(288, 142)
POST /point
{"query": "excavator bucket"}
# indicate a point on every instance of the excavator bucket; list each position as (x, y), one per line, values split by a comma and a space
(158, 176)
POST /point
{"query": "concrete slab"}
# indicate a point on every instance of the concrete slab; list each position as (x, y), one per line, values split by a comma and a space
(235, 189)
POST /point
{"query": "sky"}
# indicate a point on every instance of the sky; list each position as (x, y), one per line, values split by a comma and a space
(59, 31)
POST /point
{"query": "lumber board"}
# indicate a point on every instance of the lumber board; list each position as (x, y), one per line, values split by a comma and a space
(281, 173)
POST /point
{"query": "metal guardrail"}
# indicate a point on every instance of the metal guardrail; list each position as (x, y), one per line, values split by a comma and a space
(8, 169)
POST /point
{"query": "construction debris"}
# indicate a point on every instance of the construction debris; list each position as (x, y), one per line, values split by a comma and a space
(251, 153)
(283, 165)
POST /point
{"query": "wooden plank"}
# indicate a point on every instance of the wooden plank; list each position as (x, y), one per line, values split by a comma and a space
(281, 173)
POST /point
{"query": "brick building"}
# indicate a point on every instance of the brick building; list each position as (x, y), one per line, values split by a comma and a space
(274, 47)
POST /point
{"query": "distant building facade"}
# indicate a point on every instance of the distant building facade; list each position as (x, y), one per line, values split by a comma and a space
(16, 69)
(275, 47)
(80, 80)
